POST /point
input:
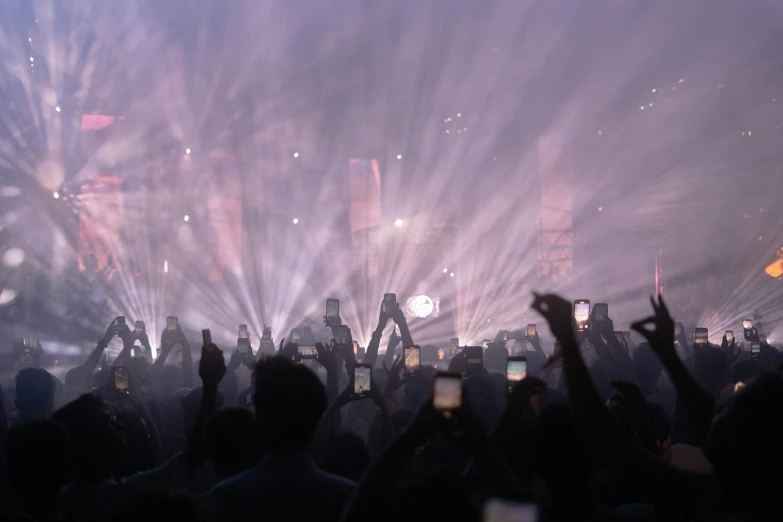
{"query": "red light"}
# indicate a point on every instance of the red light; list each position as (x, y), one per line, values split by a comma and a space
(137, 274)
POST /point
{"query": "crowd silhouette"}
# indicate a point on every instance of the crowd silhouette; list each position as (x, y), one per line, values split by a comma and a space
(597, 428)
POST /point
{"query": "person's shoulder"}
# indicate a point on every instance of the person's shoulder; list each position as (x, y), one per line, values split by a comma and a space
(238, 481)
(336, 482)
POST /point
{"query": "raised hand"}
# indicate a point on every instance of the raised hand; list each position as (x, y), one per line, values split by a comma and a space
(557, 312)
(326, 356)
(212, 366)
(111, 331)
(288, 350)
(396, 376)
(383, 319)
(658, 329)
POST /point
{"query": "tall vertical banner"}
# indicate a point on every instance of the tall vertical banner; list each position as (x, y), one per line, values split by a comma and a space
(101, 203)
(225, 216)
(365, 218)
(556, 214)
(101, 213)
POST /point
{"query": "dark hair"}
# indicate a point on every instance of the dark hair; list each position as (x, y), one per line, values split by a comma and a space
(35, 389)
(348, 457)
(232, 440)
(289, 400)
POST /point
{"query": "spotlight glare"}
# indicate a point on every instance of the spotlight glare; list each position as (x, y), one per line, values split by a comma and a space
(187, 151)
(32, 59)
(165, 266)
(445, 270)
(296, 221)
(421, 306)
(186, 218)
(7, 295)
(56, 195)
(13, 257)
(296, 154)
(398, 222)
(399, 156)
(57, 108)
(451, 274)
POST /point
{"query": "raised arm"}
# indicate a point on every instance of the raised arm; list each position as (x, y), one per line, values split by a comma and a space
(399, 319)
(95, 355)
(371, 356)
(699, 403)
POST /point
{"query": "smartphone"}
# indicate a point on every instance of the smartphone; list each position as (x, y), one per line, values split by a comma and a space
(475, 358)
(243, 345)
(355, 347)
(206, 337)
(601, 311)
(516, 370)
(389, 302)
(362, 379)
(144, 386)
(582, 314)
(332, 309)
(296, 335)
(729, 336)
(755, 350)
(307, 352)
(120, 320)
(454, 345)
(747, 324)
(700, 336)
(412, 358)
(267, 346)
(447, 392)
(397, 331)
(121, 379)
(360, 353)
(531, 331)
(341, 333)
(140, 328)
(243, 333)
(496, 510)
(171, 323)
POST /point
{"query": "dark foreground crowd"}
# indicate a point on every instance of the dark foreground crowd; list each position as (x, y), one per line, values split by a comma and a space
(599, 430)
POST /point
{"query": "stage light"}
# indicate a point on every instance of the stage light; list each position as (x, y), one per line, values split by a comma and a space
(13, 257)
(186, 218)
(57, 108)
(296, 154)
(600, 209)
(187, 151)
(7, 295)
(445, 270)
(398, 223)
(399, 156)
(654, 90)
(421, 306)
(451, 274)
(56, 195)
(296, 221)
(32, 59)
(165, 266)
(459, 115)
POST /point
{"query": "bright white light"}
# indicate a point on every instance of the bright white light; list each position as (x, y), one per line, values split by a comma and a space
(296, 154)
(166, 266)
(399, 156)
(13, 257)
(600, 209)
(30, 40)
(6, 296)
(296, 221)
(32, 59)
(459, 115)
(642, 107)
(654, 90)
(57, 108)
(445, 270)
(186, 218)
(421, 306)
(398, 222)
(187, 151)
(451, 274)
(682, 80)
(56, 195)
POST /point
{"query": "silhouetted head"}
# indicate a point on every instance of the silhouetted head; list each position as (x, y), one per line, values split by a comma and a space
(744, 441)
(35, 389)
(289, 400)
(79, 378)
(232, 440)
(96, 435)
(39, 462)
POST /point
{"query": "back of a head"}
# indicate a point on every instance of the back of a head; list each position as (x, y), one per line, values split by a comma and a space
(289, 400)
(35, 388)
(39, 458)
(560, 455)
(744, 441)
(495, 357)
(348, 457)
(232, 440)
(83, 418)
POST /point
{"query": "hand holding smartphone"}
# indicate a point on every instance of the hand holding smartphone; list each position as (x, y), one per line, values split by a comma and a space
(412, 358)
(121, 380)
(474, 356)
(516, 370)
(389, 303)
(447, 393)
(362, 380)
(582, 314)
